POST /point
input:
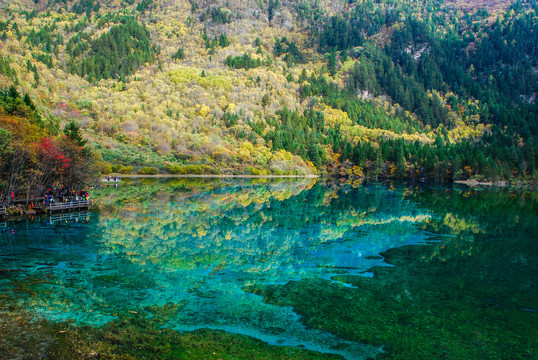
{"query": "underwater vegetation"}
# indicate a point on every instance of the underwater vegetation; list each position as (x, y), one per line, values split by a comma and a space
(473, 295)
(131, 337)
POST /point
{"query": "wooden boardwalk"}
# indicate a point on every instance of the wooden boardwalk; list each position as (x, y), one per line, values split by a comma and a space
(71, 205)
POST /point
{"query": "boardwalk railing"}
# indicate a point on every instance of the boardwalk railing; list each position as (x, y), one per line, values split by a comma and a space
(71, 205)
(2, 211)
(70, 217)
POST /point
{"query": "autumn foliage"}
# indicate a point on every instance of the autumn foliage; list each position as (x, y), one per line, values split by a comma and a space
(419, 90)
(33, 157)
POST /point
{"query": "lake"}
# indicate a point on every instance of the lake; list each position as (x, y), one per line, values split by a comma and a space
(276, 268)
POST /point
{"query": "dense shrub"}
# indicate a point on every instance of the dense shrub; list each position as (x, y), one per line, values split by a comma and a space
(118, 168)
(148, 170)
(177, 169)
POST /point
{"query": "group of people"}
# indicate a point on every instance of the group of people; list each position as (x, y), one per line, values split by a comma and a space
(64, 196)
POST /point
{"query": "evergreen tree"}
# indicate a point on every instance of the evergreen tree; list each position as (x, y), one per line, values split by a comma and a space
(72, 131)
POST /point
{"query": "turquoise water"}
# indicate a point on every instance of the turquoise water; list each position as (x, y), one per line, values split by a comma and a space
(199, 247)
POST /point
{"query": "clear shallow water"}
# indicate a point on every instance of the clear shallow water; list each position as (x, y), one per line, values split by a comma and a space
(193, 247)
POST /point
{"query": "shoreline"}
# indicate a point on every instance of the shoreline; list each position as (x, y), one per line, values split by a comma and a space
(498, 184)
(21, 210)
(483, 183)
(225, 176)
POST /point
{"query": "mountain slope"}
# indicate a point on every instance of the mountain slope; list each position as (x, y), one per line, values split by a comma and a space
(387, 89)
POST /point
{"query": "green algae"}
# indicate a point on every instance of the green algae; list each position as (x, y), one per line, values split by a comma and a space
(473, 295)
(414, 319)
(132, 336)
(123, 281)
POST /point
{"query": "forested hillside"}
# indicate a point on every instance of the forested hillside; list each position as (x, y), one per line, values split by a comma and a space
(434, 90)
